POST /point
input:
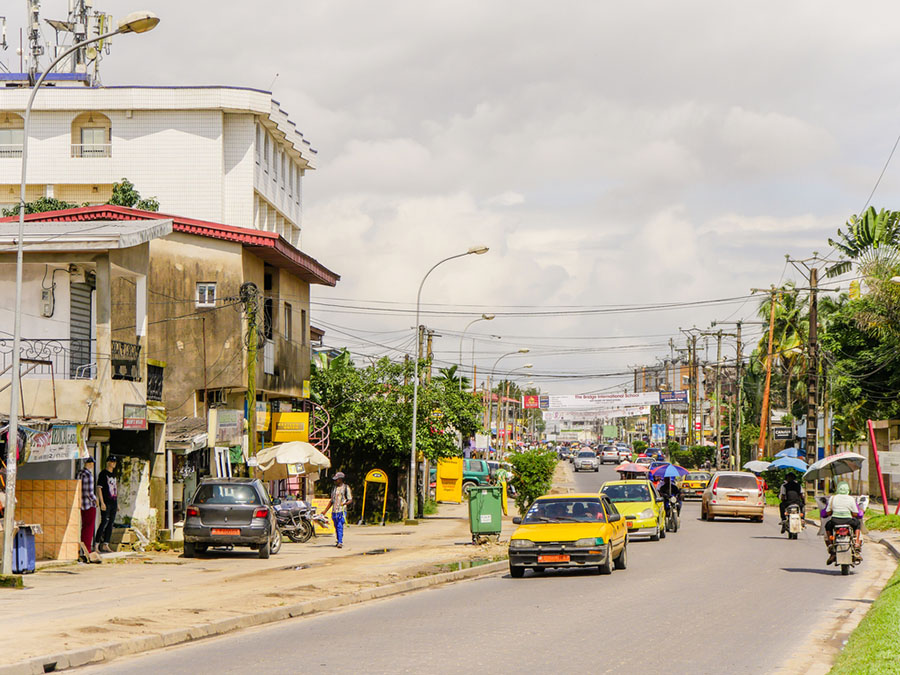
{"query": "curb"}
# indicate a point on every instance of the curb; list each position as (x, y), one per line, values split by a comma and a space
(890, 546)
(113, 650)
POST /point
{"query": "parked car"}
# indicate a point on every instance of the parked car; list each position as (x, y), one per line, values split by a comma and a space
(641, 505)
(569, 531)
(586, 460)
(694, 484)
(475, 472)
(231, 512)
(733, 493)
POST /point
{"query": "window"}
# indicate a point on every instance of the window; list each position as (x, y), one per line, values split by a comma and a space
(291, 181)
(303, 327)
(276, 158)
(258, 143)
(206, 294)
(11, 135)
(91, 135)
(288, 322)
(283, 171)
(266, 151)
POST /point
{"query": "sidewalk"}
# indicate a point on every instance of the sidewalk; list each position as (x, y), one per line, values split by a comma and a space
(70, 607)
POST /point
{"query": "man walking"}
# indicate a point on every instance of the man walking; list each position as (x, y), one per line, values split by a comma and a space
(108, 492)
(341, 498)
(88, 505)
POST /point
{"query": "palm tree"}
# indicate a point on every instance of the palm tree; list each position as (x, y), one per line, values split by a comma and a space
(870, 238)
(449, 374)
(789, 336)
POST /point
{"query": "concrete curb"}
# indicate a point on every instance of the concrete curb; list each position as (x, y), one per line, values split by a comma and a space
(113, 650)
(890, 546)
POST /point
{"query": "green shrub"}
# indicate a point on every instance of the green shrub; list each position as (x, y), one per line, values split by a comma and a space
(701, 454)
(672, 447)
(680, 457)
(639, 446)
(532, 475)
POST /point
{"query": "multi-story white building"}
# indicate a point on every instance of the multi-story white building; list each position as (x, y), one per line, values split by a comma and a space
(222, 154)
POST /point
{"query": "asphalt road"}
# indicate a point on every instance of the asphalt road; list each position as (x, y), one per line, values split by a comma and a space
(728, 596)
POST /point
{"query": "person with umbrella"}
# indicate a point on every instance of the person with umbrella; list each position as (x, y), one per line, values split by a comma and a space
(669, 488)
(791, 493)
(844, 510)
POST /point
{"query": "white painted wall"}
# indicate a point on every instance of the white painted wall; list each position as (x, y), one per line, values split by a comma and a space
(33, 324)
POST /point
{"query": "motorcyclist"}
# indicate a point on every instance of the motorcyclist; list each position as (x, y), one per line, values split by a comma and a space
(791, 493)
(844, 510)
(670, 489)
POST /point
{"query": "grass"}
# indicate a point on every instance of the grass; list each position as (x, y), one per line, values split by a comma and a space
(873, 648)
(876, 520)
(430, 508)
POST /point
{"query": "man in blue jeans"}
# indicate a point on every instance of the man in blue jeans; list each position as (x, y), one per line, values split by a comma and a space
(341, 498)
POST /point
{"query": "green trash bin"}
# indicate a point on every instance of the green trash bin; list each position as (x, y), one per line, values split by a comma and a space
(485, 512)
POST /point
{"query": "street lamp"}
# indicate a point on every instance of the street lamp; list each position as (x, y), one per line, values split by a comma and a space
(523, 350)
(136, 22)
(483, 317)
(474, 250)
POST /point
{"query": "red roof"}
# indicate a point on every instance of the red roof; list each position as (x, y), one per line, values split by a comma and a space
(270, 246)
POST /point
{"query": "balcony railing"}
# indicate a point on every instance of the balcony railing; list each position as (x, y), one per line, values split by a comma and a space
(91, 149)
(126, 361)
(154, 381)
(62, 359)
(10, 150)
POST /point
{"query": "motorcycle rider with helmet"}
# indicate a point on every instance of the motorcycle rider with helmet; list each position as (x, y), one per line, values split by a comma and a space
(791, 493)
(844, 510)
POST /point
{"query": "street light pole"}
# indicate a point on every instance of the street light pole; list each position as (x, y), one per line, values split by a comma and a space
(136, 22)
(523, 350)
(483, 317)
(411, 496)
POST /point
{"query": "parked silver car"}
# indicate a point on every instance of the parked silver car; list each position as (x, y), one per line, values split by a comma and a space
(586, 460)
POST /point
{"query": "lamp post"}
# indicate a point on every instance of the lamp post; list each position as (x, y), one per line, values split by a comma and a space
(523, 350)
(476, 250)
(483, 317)
(136, 22)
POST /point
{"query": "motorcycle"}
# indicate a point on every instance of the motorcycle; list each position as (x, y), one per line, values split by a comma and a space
(847, 548)
(793, 521)
(295, 520)
(672, 519)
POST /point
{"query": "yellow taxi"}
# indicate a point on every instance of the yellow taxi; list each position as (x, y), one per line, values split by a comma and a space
(573, 530)
(641, 504)
(694, 484)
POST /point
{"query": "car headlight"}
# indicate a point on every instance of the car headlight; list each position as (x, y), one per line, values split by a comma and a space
(587, 542)
(520, 543)
(645, 514)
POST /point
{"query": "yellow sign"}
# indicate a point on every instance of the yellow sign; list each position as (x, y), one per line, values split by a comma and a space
(262, 416)
(292, 426)
(376, 476)
(449, 480)
(320, 505)
(305, 391)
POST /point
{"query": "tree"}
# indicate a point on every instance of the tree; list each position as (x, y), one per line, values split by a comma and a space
(125, 194)
(788, 340)
(870, 238)
(532, 475)
(40, 205)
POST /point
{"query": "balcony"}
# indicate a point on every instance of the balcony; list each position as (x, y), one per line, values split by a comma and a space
(10, 150)
(91, 150)
(61, 359)
(125, 359)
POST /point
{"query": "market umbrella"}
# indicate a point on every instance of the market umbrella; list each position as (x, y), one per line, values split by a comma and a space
(757, 466)
(835, 465)
(789, 463)
(790, 452)
(669, 471)
(297, 457)
(631, 467)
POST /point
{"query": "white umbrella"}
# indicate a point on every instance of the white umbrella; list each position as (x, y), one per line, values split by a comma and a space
(274, 462)
(835, 465)
(756, 466)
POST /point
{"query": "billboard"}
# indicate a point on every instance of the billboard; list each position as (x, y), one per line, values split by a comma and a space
(602, 401)
(680, 396)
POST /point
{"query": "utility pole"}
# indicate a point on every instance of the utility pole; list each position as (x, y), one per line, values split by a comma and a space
(429, 354)
(812, 375)
(736, 450)
(250, 300)
(764, 415)
(718, 399)
(421, 343)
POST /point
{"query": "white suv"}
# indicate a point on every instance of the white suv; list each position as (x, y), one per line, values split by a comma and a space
(733, 493)
(586, 460)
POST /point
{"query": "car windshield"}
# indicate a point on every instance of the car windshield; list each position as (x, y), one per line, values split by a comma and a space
(745, 481)
(565, 510)
(586, 454)
(226, 494)
(698, 476)
(627, 493)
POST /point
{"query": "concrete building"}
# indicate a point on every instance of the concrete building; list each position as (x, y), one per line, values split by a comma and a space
(222, 154)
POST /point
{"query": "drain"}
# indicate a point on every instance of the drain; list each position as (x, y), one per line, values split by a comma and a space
(377, 551)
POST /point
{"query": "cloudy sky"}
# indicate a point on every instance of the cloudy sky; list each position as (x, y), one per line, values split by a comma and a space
(609, 153)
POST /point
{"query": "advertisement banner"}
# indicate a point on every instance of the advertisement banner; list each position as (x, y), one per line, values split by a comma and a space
(229, 427)
(63, 441)
(680, 396)
(782, 433)
(292, 426)
(531, 402)
(658, 433)
(134, 417)
(602, 401)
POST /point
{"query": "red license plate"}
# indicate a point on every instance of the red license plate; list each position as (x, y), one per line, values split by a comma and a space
(737, 498)
(629, 524)
(227, 531)
(552, 558)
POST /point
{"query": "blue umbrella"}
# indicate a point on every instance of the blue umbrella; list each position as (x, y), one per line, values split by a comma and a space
(669, 471)
(789, 463)
(790, 452)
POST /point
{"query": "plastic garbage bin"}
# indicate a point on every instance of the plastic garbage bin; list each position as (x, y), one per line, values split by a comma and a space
(23, 551)
(485, 511)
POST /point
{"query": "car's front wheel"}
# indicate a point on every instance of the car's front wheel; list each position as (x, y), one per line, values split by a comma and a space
(516, 571)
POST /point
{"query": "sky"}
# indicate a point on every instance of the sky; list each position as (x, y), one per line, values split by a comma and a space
(612, 155)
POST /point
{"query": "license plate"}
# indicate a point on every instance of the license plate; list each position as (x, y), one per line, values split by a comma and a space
(737, 499)
(629, 524)
(226, 531)
(552, 558)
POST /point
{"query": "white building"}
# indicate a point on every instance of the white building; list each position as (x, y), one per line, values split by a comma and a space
(223, 154)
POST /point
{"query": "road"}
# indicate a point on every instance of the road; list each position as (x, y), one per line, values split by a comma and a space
(727, 596)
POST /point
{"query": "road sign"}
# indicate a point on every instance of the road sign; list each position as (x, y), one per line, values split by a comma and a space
(680, 396)
(890, 462)
(782, 433)
(697, 426)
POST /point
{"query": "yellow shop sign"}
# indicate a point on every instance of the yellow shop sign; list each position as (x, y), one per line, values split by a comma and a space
(291, 426)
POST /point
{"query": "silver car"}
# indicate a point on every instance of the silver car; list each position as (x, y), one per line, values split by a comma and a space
(586, 460)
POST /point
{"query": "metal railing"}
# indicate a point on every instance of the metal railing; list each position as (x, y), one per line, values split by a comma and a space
(91, 149)
(10, 150)
(64, 359)
(125, 359)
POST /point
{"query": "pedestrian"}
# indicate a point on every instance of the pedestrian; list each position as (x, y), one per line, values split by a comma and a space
(108, 491)
(88, 505)
(341, 498)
